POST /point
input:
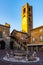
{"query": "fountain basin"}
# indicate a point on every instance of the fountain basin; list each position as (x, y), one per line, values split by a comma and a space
(36, 59)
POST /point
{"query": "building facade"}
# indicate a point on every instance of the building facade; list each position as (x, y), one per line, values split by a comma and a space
(37, 35)
(21, 39)
(36, 39)
(4, 36)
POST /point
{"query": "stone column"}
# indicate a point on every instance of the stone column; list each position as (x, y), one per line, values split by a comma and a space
(32, 48)
(37, 48)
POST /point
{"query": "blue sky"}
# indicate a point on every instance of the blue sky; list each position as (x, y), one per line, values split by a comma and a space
(11, 12)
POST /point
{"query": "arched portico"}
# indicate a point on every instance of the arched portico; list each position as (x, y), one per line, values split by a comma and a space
(2, 44)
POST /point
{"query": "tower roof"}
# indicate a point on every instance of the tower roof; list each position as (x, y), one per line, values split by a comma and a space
(27, 4)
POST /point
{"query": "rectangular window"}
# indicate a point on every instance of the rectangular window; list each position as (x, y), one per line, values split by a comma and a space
(0, 34)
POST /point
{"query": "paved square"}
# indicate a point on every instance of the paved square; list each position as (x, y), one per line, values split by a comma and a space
(2, 62)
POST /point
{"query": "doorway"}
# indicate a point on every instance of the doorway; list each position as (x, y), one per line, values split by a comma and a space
(2, 44)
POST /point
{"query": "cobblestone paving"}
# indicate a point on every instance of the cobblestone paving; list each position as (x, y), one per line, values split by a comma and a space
(2, 62)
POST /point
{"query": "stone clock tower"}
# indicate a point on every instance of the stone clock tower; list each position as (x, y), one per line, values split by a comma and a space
(27, 23)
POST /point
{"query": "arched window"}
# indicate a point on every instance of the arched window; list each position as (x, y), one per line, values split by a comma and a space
(33, 39)
(41, 38)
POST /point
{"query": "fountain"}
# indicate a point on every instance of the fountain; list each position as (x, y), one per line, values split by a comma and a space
(21, 57)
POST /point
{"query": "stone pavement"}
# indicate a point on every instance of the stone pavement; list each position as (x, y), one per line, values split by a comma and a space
(2, 62)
